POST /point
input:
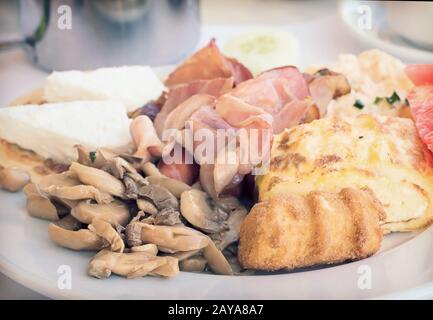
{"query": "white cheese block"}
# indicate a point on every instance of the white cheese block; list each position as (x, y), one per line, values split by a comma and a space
(134, 86)
(52, 130)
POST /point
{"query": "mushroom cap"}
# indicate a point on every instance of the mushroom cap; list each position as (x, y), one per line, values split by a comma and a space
(216, 260)
(105, 230)
(174, 186)
(195, 206)
(98, 178)
(115, 212)
(83, 239)
(195, 264)
(131, 265)
(39, 205)
(146, 206)
(174, 238)
(149, 248)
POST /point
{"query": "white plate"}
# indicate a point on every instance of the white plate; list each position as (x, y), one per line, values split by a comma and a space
(29, 257)
(379, 37)
(402, 269)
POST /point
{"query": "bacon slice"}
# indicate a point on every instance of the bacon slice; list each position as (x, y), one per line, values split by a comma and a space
(208, 63)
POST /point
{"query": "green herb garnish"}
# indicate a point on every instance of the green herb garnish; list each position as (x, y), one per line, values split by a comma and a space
(393, 98)
(378, 100)
(92, 156)
(358, 104)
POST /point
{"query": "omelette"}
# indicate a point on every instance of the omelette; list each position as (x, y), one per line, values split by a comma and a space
(382, 153)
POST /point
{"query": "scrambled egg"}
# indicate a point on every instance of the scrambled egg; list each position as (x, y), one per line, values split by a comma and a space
(371, 74)
(379, 152)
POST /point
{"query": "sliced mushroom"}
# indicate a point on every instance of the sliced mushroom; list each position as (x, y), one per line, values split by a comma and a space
(146, 206)
(175, 238)
(196, 207)
(64, 179)
(149, 248)
(138, 216)
(115, 213)
(83, 239)
(105, 230)
(169, 269)
(183, 255)
(95, 159)
(174, 186)
(150, 169)
(65, 187)
(69, 223)
(225, 238)
(99, 179)
(197, 186)
(80, 192)
(216, 260)
(118, 167)
(166, 203)
(131, 187)
(13, 178)
(196, 264)
(39, 204)
(131, 265)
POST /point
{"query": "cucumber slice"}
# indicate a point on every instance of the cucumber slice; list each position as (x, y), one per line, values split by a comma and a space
(263, 49)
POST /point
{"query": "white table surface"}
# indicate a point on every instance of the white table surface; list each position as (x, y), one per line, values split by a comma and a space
(321, 33)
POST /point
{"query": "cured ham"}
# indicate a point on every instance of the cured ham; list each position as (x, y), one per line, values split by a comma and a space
(179, 93)
(177, 118)
(210, 91)
(278, 93)
(206, 64)
(253, 110)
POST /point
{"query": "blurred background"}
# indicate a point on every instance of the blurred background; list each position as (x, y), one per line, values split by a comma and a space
(38, 36)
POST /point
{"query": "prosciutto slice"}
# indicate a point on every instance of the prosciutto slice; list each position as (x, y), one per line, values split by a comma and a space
(179, 93)
(280, 93)
(208, 63)
(254, 109)
(177, 118)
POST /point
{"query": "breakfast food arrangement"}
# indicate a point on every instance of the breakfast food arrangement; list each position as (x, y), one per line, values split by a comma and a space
(344, 158)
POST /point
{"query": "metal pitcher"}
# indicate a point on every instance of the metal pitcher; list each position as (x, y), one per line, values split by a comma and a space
(87, 34)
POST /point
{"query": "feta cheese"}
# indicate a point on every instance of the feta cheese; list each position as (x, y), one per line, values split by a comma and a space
(133, 86)
(52, 130)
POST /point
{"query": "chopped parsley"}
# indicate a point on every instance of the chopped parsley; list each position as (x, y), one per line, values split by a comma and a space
(358, 104)
(92, 156)
(378, 100)
(393, 98)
